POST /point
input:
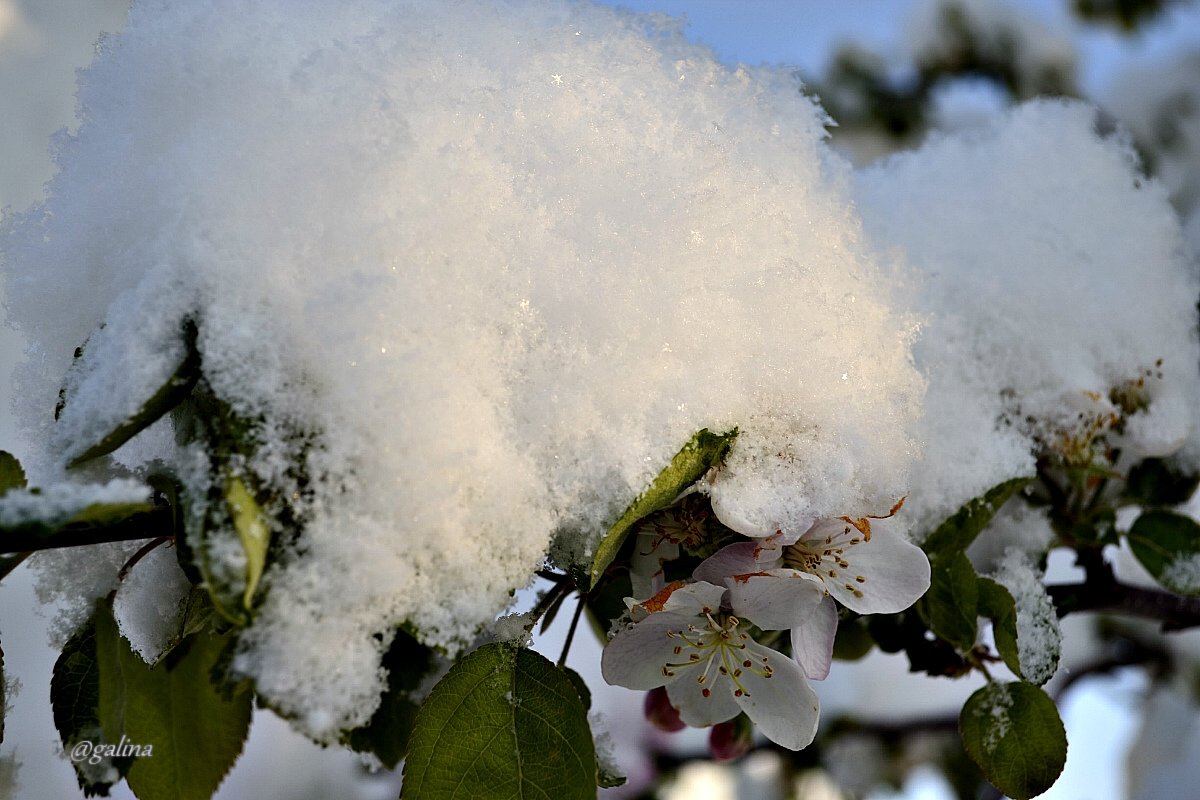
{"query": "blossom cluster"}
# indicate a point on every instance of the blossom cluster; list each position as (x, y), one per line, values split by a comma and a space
(705, 637)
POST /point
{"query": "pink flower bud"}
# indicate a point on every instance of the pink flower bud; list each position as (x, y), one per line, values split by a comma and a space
(661, 713)
(730, 740)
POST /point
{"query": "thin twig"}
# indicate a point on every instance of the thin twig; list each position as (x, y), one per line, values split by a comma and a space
(562, 659)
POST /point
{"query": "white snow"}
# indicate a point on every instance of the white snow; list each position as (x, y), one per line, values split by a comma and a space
(495, 266)
(1039, 640)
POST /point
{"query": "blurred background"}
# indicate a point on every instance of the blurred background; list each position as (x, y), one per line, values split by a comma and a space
(889, 72)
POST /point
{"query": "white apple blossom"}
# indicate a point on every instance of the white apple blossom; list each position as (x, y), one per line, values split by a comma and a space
(784, 581)
(712, 669)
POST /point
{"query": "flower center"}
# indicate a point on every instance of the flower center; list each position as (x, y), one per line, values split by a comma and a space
(826, 558)
(721, 649)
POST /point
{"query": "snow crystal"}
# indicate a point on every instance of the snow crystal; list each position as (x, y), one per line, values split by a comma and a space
(999, 701)
(1183, 575)
(1016, 526)
(1039, 640)
(480, 271)
(606, 760)
(1051, 274)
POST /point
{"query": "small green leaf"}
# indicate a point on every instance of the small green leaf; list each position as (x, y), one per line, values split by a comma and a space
(166, 398)
(12, 475)
(704, 450)
(232, 589)
(505, 724)
(950, 606)
(956, 533)
(1168, 545)
(1154, 482)
(75, 701)
(195, 733)
(386, 735)
(997, 604)
(253, 533)
(1013, 732)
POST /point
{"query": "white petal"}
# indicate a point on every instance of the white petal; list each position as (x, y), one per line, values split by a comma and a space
(894, 572)
(634, 658)
(812, 640)
(783, 706)
(697, 710)
(777, 600)
(734, 559)
(695, 599)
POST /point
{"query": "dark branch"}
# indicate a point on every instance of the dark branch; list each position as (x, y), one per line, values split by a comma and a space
(1173, 611)
(145, 525)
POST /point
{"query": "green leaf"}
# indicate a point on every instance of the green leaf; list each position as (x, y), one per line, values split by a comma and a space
(1168, 545)
(75, 701)
(166, 398)
(956, 533)
(704, 450)
(1013, 732)
(950, 607)
(230, 588)
(505, 724)
(407, 662)
(1154, 482)
(12, 475)
(997, 604)
(195, 733)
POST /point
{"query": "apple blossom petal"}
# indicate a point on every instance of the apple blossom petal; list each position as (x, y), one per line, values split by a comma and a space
(650, 552)
(699, 711)
(779, 701)
(695, 599)
(634, 658)
(812, 640)
(775, 600)
(882, 576)
(733, 559)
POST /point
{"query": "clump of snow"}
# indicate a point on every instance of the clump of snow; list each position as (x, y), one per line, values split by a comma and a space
(1051, 274)
(1183, 575)
(1016, 526)
(1159, 103)
(57, 503)
(1039, 640)
(514, 629)
(475, 272)
(150, 603)
(998, 702)
(606, 759)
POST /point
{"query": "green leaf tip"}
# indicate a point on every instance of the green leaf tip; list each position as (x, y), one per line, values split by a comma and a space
(703, 451)
(504, 723)
(958, 532)
(1012, 731)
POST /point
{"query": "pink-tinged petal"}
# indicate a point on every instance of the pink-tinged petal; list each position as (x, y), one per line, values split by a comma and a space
(635, 657)
(695, 599)
(698, 710)
(775, 600)
(812, 640)
(882, 576)
(778, 700)
(660, 713)
(734, 559)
